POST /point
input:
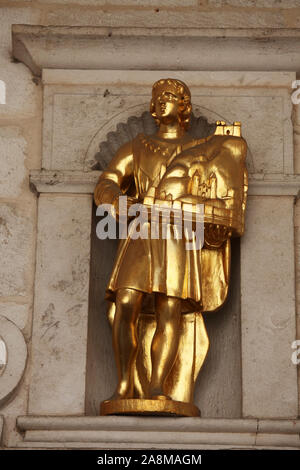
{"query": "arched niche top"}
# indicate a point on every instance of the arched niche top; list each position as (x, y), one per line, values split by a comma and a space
(116, 132)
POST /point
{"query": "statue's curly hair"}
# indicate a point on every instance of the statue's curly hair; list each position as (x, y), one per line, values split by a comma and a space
(182, 91)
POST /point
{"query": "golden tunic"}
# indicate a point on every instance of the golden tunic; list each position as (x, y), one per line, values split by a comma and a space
(199, 277)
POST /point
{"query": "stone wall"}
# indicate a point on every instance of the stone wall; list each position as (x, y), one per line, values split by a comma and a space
(21, 144)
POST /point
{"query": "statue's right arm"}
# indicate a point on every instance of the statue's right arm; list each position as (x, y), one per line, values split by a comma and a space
(117, 178)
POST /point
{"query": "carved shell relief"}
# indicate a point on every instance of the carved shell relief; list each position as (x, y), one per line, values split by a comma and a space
(100, 152)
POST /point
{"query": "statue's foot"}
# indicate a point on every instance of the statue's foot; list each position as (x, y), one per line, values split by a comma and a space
(123, 391)
(158, 394)
(160, 397)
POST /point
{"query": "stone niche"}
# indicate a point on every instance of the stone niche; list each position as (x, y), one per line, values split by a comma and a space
(247, 389)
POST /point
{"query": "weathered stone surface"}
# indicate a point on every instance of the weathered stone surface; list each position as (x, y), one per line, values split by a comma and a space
(13, 154)
(15, 15)
(61, 305)
(268, 309)
(254, 3)
(16, 248)
(17, 313)
(77, 118)
(206, 4)
(165, 18)
(21, 93)
(129, 3)
(297, 148)
(76, 122)
(292, 19)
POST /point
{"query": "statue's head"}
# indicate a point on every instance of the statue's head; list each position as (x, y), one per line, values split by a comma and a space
(171, 98)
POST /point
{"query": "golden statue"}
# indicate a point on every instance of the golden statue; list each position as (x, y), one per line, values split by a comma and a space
(159, 289)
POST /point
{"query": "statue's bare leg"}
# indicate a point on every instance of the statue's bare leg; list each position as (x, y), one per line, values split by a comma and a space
(128, 306)
(165, 342)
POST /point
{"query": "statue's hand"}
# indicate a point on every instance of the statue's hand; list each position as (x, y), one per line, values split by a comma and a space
(131, 201)
(215, 235)
(115, 203)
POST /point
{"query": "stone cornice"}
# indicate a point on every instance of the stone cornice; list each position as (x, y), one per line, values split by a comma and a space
(79, 182)
(76, 182)
(110, 48)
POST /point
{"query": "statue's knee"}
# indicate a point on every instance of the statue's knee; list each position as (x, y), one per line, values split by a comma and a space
(126, 301)
(173, 304)
(168, 307)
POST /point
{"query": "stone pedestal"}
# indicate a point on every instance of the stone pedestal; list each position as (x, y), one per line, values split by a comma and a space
(116, 432)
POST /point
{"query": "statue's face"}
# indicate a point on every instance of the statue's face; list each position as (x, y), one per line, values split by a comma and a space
(167, 106)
